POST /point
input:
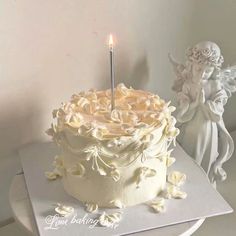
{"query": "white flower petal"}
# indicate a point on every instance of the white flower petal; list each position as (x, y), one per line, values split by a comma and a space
(91, 207)
(63, 210)
(108, 220)
(176, 178)
(117, 203)
(51, 175)
(158, 205)
(58, 171)
(59, 165)
(174, 192)
(101, 171)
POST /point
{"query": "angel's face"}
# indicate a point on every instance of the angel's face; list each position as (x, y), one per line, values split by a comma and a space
(200, 71)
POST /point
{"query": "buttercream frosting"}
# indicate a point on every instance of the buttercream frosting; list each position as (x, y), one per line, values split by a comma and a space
(114, 158)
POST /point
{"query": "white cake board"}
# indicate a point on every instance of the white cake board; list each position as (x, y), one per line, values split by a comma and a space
(202, 201)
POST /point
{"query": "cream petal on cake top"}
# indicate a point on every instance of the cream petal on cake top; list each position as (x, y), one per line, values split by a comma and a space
(118, 156)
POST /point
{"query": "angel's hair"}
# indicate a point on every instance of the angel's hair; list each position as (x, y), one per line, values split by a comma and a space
(206, 53)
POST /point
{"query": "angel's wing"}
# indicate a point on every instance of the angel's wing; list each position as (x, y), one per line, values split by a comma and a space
(228, 79)
(178, 70)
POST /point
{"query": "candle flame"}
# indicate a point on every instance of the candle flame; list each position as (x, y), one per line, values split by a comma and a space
(110, 40)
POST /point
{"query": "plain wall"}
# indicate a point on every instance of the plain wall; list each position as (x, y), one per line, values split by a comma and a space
(50, 49)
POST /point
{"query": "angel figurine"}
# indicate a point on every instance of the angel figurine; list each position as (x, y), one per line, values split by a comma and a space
(203, 89)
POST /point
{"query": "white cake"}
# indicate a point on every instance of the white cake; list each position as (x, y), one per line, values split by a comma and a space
(118, 158)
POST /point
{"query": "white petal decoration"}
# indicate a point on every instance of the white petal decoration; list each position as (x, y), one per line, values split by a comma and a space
(115, 116)
(170, 161)
(122, 90)
(116, 143)
(91, 207)
(82, 102)
(117, 203)
(99, 133)
(176, 178)
(77, 170)
(63, 210)
(101, 171)
(108, 220)
(174, 192)
(58, 161)
(51, 175)
(58, 164)
(158, 205)
(58, 172)
(115, 174)
(143, 173)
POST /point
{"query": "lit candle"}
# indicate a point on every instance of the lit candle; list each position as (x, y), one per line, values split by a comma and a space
(111, 52)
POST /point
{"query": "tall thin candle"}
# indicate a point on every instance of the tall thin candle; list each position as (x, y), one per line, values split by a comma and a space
(111, 53)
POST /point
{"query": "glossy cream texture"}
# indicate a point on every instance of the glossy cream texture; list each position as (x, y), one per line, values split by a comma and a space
(114, 158)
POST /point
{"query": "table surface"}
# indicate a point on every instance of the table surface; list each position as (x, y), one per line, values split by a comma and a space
(22, 210)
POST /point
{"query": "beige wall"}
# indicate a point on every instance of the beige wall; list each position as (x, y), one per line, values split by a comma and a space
(52, 48)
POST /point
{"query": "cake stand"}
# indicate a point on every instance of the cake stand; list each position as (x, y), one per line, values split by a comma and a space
(23, 214)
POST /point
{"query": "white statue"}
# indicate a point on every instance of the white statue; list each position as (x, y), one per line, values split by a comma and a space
(203, 89)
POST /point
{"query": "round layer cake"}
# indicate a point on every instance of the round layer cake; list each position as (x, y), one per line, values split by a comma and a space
(114, 158)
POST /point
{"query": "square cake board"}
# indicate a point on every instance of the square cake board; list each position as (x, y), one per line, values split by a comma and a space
(202, 200)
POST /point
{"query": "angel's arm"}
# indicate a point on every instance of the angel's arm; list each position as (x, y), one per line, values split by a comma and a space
(187, 107)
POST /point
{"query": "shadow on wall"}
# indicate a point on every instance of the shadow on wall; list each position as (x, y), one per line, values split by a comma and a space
(136, 77)
(140, 74)
(20, 121)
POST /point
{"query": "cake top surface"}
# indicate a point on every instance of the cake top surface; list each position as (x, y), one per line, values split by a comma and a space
(89, 113)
